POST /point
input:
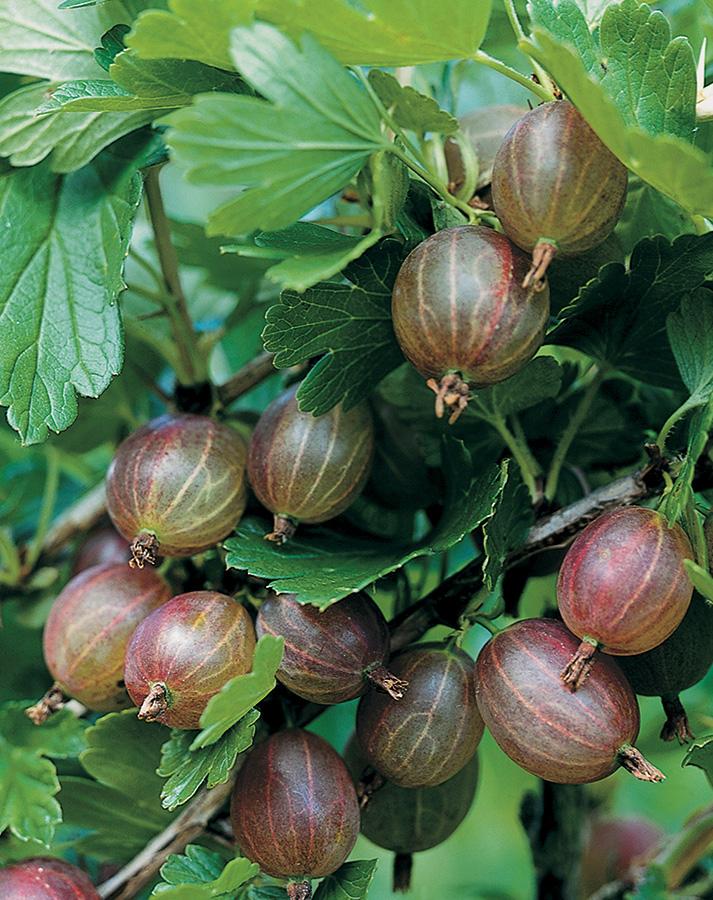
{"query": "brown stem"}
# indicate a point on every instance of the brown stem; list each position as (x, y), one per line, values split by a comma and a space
(577, 670)
(155, 703)
(144, 549)
(452, 393)
(403, 864)
(283, 528)
(78, 518)
(251, 374)
(299, 890)
(51, 703)
(542, 256)
(370, 782)
(632, 760)
(676, 724)
(388, 682)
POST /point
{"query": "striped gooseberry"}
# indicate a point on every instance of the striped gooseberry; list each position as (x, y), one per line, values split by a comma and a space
(410, 820)
(306, 468)
(539, 723)
(461, 315)
(177, 486)
(45, 878)
(429, 735)
(681, 661)
(294, 809)
(88, 630)
(331, 655)
(556, 187)
(105, 545)
(622, 586)
(183, 654)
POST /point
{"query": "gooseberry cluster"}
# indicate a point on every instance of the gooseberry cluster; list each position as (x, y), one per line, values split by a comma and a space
(469, 309)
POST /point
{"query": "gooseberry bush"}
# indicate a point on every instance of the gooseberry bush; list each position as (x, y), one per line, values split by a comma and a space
(356, 483)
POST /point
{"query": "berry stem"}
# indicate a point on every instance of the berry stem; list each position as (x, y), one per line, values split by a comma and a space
(578, 668)
(51, 703)
(529, 467)
(571, 431)
(388, 682)
(676, 725)
(403, 864)
(485, 59)
(49, 498)
(632, 760)
(283, 528)
(299, 890)
(543, 254)
(155, 703)
(542, 76)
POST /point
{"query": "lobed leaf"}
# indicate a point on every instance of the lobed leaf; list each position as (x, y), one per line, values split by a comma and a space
(700, 755)
(409, 108)
(507, 526)
(539, 380)
(351, 881)
(690, 333)
(200, 873)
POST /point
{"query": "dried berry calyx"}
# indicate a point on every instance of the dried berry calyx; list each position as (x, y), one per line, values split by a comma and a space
(540, 724)
(678, 663)
(177, 486)
(294, 808)
(461, 315)
(623, 587)
(306, 468)
(330, 655)
(87, 632)
(429, 735)
(183, 653)
(556, 187)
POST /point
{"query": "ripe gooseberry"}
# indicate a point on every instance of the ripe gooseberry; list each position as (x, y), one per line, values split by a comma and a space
(622, 586)
(461, 315)
(105, 545)
(294, 809)
(681, 661)
(183, 654)
(410, 820)
(613, 848)
(87, 632)
(334, 654)
(45, 878)
(177, 486)
(541, 725)
(424, 739)
(556, 187)
(306, 468)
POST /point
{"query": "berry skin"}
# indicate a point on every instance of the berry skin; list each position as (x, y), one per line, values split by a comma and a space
(485, 128)
(556, 187)
(429, 735)
(622, 587)
(45, 878)
(681, 661)
(612, 850)
(331, 655)
(462, 317)
(294, 808)
(305, 468)
(103, 546)
(89, 628)
(540, 724)
(177, 486)
(183, 654)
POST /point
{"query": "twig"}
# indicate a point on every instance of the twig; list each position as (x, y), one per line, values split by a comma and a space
(76, 519)
(251, 374)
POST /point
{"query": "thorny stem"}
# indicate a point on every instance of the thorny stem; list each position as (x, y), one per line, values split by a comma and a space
(192, 369)
(571, 431)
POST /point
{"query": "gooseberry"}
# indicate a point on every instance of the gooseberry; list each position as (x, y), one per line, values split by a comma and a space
(612, 850)
(45, 878)
(105, 545)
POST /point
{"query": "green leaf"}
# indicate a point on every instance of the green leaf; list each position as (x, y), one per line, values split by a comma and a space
(386, 32)
(409, 108)
(701, 579)
(200, 873)
(291, 153)
(668, 163)
(677, 499)
(564, 20)
(69, 141)
(539, 380)
(236, 698)
(690, 332)
(141, 84)
(508, 524)
(62, 258)
(700, 755)
(647, 213)
(38, 39)
(618, 319)
(28, 783)
(320, 566)
(350, 882)
(187, 769)
(651, 78)
(112, 44)
(350, 322)
(190, 30)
